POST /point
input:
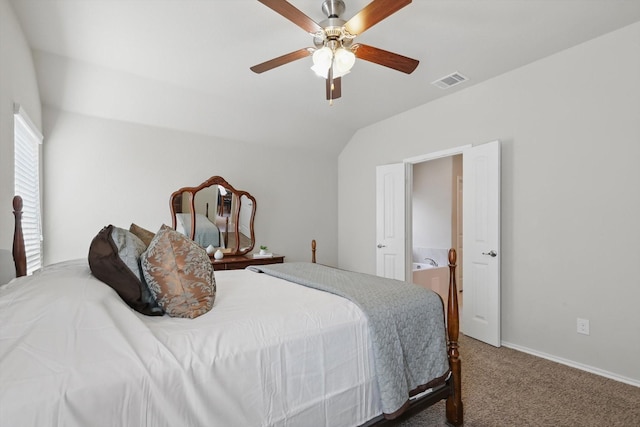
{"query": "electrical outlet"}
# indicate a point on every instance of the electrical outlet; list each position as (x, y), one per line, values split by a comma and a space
(583, 326)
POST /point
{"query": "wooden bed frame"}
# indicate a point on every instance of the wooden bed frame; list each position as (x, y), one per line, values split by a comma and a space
(451, 391)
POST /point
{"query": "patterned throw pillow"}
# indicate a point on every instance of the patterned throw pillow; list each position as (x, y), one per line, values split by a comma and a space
(179, 274)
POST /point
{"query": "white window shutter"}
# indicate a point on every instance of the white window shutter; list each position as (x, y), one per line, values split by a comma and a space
(27, 140)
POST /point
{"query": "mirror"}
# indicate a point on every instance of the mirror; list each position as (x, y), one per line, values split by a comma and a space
(222, 216)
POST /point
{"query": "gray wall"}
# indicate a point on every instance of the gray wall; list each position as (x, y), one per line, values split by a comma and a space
(570, 131)
(17, 85)
(100, 172)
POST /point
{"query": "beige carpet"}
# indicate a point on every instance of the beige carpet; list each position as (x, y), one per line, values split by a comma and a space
(504, 387)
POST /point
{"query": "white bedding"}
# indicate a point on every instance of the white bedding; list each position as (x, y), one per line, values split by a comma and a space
(269, 353)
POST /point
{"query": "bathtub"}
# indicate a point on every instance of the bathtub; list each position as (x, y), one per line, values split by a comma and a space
(421, 266)
(434, 278)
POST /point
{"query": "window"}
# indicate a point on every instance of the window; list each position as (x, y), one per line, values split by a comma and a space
(27, 140)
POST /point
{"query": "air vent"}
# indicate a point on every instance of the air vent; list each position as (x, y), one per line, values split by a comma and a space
(450, 80)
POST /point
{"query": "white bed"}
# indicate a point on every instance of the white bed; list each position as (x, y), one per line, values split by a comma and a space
(269, 353)
(298, 356)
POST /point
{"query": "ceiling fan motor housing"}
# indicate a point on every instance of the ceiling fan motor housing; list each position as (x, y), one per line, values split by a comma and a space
(332, 29)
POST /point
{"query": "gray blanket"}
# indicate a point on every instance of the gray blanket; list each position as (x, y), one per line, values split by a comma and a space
(406, 323)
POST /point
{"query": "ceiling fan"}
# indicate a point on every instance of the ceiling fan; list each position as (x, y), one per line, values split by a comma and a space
(335, 51)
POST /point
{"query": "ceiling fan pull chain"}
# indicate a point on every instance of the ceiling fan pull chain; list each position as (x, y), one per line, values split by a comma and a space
(331, 86)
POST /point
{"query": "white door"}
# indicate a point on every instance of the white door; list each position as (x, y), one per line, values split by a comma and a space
(390, 221)
(481, 262)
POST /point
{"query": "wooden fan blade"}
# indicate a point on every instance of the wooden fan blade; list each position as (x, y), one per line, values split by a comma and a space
(373, 13)
(293, 14)
(385, 58)
(281, 60)
(337, 89)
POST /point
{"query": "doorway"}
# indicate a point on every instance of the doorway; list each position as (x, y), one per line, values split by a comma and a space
(480, 230)
(436, 226)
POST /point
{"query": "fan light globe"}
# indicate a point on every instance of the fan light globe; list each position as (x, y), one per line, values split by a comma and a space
(322, 61)
(343, 61)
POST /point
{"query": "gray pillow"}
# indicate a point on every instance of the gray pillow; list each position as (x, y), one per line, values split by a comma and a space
(129, 247)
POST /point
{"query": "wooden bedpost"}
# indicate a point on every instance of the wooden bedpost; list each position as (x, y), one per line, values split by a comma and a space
(454, 401)
(313, 251)
(19, 255)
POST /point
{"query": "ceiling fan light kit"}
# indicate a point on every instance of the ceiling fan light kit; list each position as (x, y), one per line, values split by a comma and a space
(335, 53)
(341, 59)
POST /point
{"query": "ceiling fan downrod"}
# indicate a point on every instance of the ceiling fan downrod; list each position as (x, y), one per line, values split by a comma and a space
(333, 8)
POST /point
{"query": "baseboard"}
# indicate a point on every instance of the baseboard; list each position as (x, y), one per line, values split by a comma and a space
(573, 364)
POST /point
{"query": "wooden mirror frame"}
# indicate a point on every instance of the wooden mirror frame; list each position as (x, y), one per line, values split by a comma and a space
(217, 181)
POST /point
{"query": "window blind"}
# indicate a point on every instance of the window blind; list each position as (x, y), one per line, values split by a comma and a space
(27, 140)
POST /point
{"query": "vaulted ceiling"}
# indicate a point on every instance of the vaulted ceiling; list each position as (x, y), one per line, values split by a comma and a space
(184, 64)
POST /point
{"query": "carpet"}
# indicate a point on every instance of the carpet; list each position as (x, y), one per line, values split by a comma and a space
(505, 387)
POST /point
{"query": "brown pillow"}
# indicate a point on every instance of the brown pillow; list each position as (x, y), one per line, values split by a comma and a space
(179, 274)
(115, 262)
(145, 235)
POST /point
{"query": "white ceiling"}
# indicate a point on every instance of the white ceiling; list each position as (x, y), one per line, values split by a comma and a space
(184, 64)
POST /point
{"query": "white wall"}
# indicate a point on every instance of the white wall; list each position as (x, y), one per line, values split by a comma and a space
(570, 131)
(100, 172)
(17, 85)
(432, 203)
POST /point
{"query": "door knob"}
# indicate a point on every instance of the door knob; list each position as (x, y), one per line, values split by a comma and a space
(380, 246)
(492, 254)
